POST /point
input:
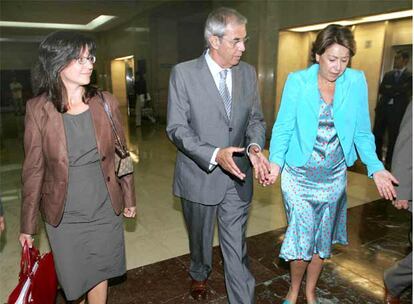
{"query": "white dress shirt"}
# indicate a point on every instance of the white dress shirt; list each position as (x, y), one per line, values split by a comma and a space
(215, 70)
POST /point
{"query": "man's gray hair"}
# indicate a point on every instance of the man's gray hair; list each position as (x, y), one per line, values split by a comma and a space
(218, 20)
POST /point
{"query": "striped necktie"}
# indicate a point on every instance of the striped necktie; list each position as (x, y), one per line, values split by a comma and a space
(224, 92)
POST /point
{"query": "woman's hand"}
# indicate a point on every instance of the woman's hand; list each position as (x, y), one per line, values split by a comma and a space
(2, 224)
(384, 181)
(130, 211)
(26, 238)
(273, 174)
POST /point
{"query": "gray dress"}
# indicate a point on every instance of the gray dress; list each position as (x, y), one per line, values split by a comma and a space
(88, 244)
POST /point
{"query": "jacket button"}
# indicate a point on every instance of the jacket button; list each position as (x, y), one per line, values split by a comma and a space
(230, 129)
(103, 158)
(108, 179)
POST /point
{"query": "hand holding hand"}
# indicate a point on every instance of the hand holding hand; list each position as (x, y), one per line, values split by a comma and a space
(260, 164)
(26, 238)
(384, 181)
(400, 204)
(130, 212)
(274, 174)
(225, 160)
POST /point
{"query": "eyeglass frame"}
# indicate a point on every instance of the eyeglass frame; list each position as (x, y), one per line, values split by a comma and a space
(84, 60)
(235, 41)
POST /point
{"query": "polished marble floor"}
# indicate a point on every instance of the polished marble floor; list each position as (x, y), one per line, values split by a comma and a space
(158, 234)
(378, 236)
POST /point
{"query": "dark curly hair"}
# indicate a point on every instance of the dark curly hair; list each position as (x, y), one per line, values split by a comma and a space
(56, 51)
(333, 33)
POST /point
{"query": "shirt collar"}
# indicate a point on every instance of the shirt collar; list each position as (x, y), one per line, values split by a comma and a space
(215, 69)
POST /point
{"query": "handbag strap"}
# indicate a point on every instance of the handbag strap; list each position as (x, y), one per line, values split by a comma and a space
(109, 114)
(28, 259)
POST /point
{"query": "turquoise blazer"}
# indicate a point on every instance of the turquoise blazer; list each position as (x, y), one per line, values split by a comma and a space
(294, 132)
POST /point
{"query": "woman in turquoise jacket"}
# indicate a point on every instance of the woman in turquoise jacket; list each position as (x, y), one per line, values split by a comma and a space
(323, 117)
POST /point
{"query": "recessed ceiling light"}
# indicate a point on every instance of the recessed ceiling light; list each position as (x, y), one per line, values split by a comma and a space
(98, 21)
(125, 58)
(375, 18)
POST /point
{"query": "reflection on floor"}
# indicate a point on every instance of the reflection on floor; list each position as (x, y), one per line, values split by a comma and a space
(159, 233)
(378, 236)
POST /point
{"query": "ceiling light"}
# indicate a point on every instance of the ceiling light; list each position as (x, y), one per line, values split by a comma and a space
(319, 26)
(375, 18)
(125, 58)
(98, 21)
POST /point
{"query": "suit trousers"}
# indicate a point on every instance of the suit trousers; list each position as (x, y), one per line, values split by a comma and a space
(400, 276)
(387, 120)
(231, 214)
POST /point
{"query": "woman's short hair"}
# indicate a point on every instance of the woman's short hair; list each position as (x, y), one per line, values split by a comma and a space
(333, 33)
(56, 51)
(218, 20)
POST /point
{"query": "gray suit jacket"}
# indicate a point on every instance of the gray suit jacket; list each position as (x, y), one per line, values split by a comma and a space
(197, 124)
(402, 159)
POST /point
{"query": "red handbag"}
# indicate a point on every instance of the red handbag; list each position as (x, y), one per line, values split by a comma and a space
(37, 279)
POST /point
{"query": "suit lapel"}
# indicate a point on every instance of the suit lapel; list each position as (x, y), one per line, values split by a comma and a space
(236, 81)
(100, 122)
(340, 91)
(311, 93)
(208, 81)
(56, 123)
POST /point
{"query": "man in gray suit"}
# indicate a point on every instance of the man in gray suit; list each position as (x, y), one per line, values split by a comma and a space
(400, 276)
(216, 122)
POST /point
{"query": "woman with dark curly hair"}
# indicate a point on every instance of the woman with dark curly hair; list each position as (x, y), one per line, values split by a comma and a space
(69, 170)
(323, 117)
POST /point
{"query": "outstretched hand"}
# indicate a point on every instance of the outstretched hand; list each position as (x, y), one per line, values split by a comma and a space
(385, 181)
(225, 160)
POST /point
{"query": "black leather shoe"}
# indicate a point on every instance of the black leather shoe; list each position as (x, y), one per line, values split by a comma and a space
(390, 299)
(198, 290)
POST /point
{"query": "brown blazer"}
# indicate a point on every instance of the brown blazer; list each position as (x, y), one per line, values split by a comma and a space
(45, 167)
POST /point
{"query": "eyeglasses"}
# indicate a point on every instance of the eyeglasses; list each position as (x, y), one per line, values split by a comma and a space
(84, 60)
(236, 41)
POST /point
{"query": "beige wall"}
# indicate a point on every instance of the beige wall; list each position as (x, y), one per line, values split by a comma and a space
(118, 81)
(293, 54)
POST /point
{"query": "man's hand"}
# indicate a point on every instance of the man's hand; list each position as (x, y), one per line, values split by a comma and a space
(400, 204)
(225, 160)
(260, 164)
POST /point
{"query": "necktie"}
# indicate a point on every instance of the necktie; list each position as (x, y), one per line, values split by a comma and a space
(224, 92)
(397, 75)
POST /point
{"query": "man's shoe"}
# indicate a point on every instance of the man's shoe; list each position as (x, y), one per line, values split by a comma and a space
(198, 289)
(390, 299)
